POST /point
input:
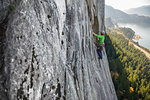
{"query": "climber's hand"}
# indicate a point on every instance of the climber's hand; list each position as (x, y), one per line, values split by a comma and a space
(93, 33)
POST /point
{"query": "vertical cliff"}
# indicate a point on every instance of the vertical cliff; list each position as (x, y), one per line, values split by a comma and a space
(47, 51)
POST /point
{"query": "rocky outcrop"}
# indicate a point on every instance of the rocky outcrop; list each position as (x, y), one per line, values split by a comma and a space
(48, 51)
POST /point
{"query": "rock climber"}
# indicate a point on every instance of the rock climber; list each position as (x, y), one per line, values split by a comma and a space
(100, 43)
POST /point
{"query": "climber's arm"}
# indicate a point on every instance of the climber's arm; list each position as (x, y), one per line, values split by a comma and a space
(99, 36)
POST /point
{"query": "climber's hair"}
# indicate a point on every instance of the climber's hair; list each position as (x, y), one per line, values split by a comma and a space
(102, 33)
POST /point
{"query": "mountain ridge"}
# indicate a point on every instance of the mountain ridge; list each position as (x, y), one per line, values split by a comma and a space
(122, 17)
(143, 10)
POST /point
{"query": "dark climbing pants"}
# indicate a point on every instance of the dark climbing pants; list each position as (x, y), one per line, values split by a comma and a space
(99, 53)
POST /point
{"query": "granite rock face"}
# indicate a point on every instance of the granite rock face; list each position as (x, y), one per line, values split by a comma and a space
(48, 51)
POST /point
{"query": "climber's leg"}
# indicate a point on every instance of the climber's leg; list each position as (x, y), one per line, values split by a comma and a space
(99, 53)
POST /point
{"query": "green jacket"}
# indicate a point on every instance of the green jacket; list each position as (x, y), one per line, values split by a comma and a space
(101, 38)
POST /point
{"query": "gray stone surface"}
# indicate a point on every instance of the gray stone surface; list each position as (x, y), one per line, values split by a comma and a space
(48, 51)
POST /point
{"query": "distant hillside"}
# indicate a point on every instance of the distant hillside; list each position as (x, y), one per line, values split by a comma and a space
(144, 10)
(122, 17)
(109, 23)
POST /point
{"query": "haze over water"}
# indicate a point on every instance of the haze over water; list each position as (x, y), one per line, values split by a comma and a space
(126, 4)
(144, 32)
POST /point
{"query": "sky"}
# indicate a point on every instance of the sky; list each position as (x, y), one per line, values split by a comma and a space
(126, 4)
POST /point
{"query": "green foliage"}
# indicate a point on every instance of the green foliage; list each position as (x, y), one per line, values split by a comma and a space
(132, 66)
(144, 48)
(11, 7)
(128, 32)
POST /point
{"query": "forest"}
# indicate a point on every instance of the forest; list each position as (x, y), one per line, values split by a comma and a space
(130, 68)
(128, 32)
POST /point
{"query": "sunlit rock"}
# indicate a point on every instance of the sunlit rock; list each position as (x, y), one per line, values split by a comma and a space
(48, 52)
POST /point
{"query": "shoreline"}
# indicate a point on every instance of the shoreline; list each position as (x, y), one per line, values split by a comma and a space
(141, 31)
(137, 37)
(137, 46)
(141, 49)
